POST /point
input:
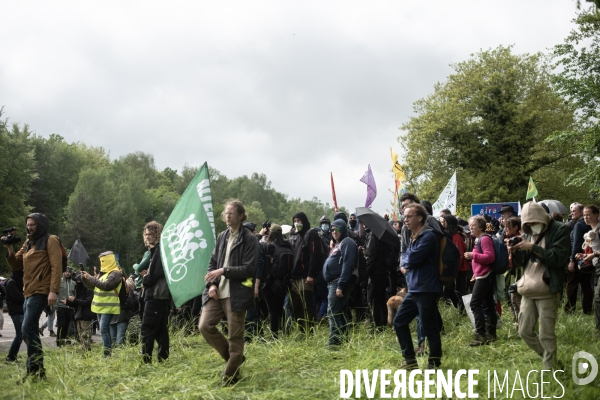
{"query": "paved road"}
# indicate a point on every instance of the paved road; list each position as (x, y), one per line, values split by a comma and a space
(8, 334)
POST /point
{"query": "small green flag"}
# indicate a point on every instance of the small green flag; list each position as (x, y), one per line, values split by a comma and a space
(531, 190)
(188, 240)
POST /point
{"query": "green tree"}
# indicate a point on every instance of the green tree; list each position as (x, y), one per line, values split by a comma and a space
(578, 80)
(489, 122)
(57, 166)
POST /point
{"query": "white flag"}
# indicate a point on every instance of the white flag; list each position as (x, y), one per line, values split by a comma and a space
(447, 199)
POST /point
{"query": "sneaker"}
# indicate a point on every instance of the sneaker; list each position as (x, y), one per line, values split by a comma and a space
(52, 334)
(409, 365)
(479, 341)
(10, 360)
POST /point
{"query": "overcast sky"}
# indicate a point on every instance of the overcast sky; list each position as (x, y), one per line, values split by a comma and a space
(294, 90)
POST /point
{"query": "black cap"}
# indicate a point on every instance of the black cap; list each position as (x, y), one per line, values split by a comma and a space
(506, 208)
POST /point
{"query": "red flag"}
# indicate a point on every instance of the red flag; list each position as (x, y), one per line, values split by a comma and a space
(335, 207)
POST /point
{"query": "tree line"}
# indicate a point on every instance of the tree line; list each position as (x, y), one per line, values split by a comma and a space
(105, 203)
(501, 117)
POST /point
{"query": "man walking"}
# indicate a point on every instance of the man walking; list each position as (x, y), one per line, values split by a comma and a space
(229, 289)
(40, 258)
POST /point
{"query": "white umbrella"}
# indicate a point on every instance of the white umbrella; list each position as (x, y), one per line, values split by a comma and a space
(555, 206)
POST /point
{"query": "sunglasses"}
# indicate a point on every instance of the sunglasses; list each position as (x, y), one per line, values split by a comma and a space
(335, 229)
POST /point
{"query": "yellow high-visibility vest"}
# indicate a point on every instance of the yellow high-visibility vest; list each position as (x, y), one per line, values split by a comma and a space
(106, 301)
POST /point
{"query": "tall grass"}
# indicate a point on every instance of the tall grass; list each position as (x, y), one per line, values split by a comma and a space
(297, 366)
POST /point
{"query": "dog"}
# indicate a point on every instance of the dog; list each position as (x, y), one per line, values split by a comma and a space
(394, 303)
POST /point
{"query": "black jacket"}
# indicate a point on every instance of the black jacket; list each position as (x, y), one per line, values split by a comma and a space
(82, 303)
(242, 265)
(579, 229)
(307, 258)
(14, 293)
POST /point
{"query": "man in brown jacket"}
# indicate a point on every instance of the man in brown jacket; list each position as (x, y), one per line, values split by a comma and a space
(40, 258)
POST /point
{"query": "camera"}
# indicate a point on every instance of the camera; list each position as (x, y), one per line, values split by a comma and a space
(515, 240)
(266, 225)
(11, 237)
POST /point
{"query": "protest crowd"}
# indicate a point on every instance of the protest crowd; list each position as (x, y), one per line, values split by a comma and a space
(263, 281)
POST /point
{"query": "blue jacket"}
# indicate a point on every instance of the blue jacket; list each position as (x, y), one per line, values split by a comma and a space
(421, 260)
(343, 259)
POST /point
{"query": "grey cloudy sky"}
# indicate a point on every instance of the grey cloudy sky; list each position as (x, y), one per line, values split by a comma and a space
(294, 90)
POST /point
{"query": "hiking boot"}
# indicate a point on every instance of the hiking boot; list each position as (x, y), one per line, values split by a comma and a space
(52, 334)
(42, 331)
(479, 341)
(409, 365)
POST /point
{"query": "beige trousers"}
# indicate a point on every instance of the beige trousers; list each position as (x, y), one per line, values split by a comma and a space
(544, 342)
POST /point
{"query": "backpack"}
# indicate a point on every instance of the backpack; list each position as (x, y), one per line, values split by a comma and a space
(282, 262)
(500, 264)
(449, 260)
(62, 249)
(125, 301)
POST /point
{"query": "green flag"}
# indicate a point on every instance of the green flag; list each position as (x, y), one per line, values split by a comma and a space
(531, 190)
(188, 239)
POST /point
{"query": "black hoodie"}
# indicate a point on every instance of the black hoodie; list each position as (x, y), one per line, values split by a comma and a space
(307, 259)
(14, 293)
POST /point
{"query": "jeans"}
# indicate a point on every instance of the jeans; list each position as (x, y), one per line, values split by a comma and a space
(338, 323)
(33, 308)
(117, 332)
(104, 320)
(49, 322)
(425, 306)
(16, 344)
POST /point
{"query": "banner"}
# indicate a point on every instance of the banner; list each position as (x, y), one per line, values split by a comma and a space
(188, 239)
(447, 199)
(493, 209)
(369, 180)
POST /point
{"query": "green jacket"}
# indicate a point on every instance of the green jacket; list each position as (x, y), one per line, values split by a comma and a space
(554, 255)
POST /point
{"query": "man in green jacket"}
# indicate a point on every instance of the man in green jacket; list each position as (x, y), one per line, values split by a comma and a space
(544, 252)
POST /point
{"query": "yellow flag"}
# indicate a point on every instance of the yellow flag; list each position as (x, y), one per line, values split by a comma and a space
(531, 190)
(398, 173)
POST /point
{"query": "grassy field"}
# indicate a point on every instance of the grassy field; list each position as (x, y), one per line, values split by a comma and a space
(298, 366)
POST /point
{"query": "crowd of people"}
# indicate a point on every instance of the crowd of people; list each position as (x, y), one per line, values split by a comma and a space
(341, 271)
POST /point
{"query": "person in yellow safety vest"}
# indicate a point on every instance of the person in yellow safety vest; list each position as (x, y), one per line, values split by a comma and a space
(106, 295)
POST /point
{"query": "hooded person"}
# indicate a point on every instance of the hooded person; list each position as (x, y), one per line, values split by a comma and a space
(544, 253)
(106, 288)
(340, 272)
(83, 312)
(308, 262)
(40, 258)
(353, 222)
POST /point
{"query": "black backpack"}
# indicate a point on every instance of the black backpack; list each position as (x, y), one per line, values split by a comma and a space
(282, 262)
(449, 259)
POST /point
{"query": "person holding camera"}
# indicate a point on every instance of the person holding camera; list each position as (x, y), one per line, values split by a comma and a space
(543, 252)
(105, 302)
(40, 258)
